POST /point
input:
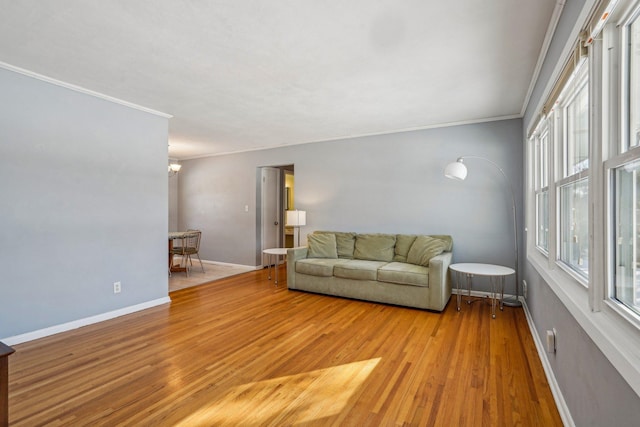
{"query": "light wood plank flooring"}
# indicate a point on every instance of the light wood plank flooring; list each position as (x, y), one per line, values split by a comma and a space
(241, 351)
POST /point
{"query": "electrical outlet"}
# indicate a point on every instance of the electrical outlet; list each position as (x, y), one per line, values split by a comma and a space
(117, 287)
(551, 340)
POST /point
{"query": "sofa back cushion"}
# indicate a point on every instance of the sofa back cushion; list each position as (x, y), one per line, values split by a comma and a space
(375, 247)
(445, 238)
(322, 245)
(424, 248)
(345, 242)
(403, 244)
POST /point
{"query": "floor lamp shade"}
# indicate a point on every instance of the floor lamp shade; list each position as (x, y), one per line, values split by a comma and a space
(456, 170)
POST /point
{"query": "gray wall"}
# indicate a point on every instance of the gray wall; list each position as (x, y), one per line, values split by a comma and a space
(173, 202)
(388, 183)
(84, 190)
(594, 391)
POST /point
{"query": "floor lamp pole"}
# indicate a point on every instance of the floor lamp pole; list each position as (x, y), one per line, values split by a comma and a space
(509, 303)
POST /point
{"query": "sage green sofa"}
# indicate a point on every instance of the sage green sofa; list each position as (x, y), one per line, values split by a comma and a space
(400, 269)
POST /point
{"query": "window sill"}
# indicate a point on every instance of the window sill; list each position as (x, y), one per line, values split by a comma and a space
(615, 336)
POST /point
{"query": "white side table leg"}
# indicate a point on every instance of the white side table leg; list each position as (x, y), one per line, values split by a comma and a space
(494, 296)
(501, 293)
(458, 294)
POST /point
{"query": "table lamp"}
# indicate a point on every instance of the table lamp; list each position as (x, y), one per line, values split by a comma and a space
(296, 219)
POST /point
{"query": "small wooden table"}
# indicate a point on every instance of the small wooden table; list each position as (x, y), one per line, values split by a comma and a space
(173, 235)
(496, 274)
(277, 252)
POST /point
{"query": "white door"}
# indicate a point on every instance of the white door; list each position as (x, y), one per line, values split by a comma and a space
(271, 227)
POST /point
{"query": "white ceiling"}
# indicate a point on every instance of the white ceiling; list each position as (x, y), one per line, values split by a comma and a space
(240, 75)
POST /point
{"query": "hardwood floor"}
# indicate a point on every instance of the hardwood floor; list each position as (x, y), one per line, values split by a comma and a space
(241, 351)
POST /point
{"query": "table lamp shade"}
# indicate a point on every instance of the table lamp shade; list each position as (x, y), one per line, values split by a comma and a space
(296, 218)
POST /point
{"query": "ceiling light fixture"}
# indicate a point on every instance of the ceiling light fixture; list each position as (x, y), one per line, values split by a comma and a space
(174, 168)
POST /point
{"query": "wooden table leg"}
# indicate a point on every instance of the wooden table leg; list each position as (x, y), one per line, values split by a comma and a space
(174, 268)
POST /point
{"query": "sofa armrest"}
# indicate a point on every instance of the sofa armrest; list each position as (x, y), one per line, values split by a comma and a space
(294, 254)
(439, 281)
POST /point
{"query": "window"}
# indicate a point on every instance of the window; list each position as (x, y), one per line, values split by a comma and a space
(574, 226)
(542, 219)
(577, 119)
(624, 169)
(626, 288)
(565, 132)
(573, 187)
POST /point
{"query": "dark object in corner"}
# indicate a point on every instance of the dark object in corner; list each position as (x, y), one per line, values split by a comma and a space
(5, 352)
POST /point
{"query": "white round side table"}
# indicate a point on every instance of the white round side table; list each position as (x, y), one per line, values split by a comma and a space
(495, 273)
(277, 253)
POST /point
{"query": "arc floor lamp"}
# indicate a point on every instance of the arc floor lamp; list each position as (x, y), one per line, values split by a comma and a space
(458, 171)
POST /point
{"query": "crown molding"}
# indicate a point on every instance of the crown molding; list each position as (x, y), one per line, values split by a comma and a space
(80, 89)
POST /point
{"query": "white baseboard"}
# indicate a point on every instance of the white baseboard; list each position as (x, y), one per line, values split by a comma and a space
(565, 414)
(41, 333)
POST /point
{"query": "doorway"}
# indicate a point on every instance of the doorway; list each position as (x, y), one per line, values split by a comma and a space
(274, 197)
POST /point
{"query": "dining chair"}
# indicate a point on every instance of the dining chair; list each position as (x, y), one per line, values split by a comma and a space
(192, 246)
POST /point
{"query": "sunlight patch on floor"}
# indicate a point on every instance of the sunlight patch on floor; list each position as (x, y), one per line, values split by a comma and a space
(292, 399)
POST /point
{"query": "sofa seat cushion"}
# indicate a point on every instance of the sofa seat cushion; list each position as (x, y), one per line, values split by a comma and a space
(405, 274)
(358, 269)
(322, 267)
